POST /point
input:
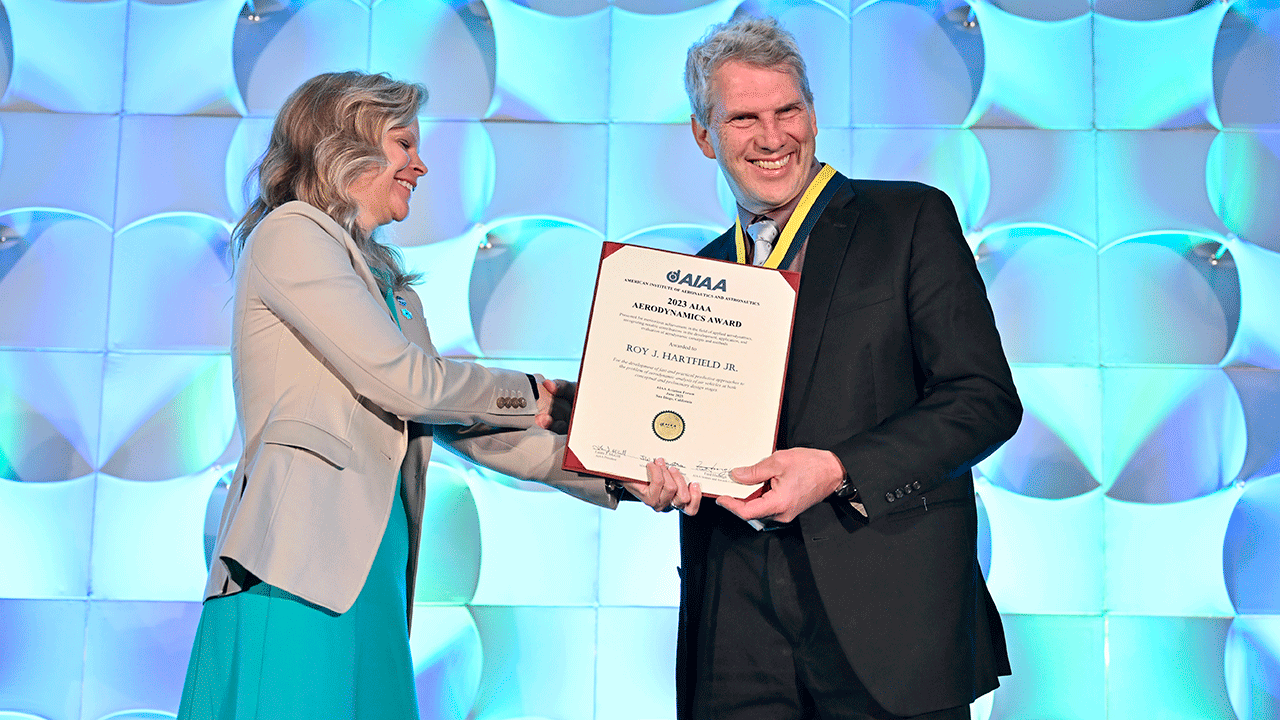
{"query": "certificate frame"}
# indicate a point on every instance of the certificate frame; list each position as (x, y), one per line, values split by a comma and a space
(684, 358)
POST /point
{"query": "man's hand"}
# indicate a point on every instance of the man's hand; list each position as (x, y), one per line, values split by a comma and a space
(666, 489)
(559, 395)
(799, 479)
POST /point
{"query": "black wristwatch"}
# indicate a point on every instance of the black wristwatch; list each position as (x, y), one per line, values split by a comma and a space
(846, 489)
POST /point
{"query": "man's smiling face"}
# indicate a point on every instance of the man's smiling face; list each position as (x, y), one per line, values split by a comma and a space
(762, 132)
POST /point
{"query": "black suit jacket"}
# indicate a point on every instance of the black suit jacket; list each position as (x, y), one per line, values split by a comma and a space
(897, 368)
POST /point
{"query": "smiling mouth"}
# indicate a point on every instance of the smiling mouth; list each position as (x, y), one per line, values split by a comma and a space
(773, 164)
(407, 185)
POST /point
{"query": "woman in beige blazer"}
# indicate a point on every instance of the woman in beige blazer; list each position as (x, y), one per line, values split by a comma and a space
(310, 585)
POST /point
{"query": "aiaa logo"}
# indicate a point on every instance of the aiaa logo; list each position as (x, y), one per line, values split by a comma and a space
(696, 281)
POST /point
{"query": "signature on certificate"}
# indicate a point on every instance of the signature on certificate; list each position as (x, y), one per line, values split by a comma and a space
(712, 469)
(604, 451)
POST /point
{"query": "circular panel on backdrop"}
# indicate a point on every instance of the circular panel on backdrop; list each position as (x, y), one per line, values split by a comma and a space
(448, 47)
(953, 160)
(449, 555)
(1167, 297)
(166, 416)
(562, 81)
(171, 285)
(531, 287)
(1246, 65)
(178, 58)
(1042, 283)
(1172, 433)
(1175, 92)
(50, 407)
(281, 45)
(1034, 73)
(1259, 392)
(71, 312)
(1251, 664)
(1249, 558)
(1242, 179)
(1257, 340)
(448, 661)
(64, 56)
(917, 63)
(1057, 450)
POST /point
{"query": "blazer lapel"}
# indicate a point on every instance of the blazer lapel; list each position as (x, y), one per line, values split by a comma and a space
(366, 273)
(332, 227)
(828, 244)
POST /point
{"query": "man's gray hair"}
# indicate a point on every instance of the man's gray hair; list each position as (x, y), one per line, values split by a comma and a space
(755, 41)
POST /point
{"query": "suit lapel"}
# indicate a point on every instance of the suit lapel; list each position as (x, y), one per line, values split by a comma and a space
(824, 256)
(828, 245)
(722, 248)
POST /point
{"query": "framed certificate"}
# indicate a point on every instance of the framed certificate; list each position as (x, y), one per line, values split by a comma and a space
(685, 360)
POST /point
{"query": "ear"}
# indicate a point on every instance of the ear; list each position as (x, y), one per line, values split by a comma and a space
(702, 136)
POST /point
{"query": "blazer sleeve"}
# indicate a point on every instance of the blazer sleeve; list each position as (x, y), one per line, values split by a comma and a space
(304, 275)
(967, 404)
(531, 454)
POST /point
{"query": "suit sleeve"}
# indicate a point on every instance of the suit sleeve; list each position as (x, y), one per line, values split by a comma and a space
(967, 404)
(531, 454)
(304, 275)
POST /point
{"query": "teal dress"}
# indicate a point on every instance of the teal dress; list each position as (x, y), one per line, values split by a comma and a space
(267, 653)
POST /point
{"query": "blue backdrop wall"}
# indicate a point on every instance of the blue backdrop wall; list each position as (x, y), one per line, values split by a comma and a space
(1115, 163)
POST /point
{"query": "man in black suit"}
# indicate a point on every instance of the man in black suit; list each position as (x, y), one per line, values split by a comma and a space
(862, 596)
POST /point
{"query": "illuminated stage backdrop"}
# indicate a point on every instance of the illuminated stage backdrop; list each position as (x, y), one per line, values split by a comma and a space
(1116, 165)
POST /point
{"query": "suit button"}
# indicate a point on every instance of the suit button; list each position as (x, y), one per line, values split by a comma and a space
(900, 495)
(908, 489)
(523, 402)
(889, 497)
(916, 484)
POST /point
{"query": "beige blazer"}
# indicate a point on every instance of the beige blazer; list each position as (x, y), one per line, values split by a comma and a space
(324, 383)
(530, 454)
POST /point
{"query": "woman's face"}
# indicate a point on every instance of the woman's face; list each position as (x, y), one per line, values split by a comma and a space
(383, 195)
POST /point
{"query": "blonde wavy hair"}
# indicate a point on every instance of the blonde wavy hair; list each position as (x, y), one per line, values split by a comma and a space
(327, 134)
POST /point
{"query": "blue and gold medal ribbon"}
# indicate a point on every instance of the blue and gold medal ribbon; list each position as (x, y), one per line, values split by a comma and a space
(812, 203)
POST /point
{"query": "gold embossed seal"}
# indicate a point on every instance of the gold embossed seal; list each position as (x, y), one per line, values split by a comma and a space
(668, 425)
